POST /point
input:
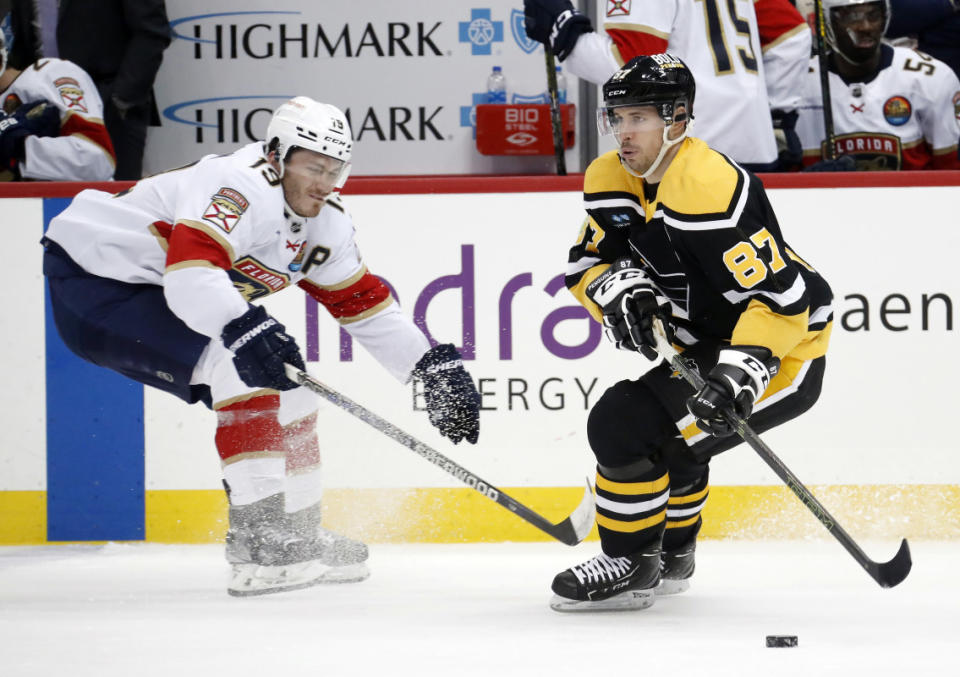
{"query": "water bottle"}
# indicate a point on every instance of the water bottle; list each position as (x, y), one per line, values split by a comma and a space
(561, 86)
(496, 86)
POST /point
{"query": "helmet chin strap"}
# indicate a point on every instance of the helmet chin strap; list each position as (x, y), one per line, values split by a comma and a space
(668, 143)
(853, 38)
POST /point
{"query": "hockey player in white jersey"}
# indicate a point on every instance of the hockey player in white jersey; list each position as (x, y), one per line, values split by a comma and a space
(893, 107)
(51, 125)
(156, 283)
(747, 55)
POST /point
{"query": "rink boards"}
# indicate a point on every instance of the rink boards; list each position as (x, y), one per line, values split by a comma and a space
(89, 456)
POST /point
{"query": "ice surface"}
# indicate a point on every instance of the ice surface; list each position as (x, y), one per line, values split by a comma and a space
(480, 609)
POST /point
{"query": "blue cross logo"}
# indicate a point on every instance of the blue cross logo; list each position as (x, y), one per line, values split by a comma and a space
(468, 114)
(481, 31)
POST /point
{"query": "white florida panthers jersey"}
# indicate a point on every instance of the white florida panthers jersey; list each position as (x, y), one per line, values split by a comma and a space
(906, 117)
(218, 234)
(82, 151)
(729, 47)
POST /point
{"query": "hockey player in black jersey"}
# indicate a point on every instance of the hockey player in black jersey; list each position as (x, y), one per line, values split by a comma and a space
(677, 231)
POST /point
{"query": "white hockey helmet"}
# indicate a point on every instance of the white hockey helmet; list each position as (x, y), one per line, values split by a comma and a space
(830, 5)
(302, 122)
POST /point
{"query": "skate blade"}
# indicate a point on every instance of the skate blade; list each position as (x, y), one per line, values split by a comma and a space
(631, 600)
(672, 586)
(248, 580)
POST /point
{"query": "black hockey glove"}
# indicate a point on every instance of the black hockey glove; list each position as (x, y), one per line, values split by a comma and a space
(843, 163)
(741, 376)
(37, 118)
(453, 402)
(555, 23)
(789, 148)
(630, 301)
(261, 346)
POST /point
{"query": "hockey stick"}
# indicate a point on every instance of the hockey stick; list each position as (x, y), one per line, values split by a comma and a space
(825, 82)
(571, 530)
(887, 574)
(555, 119)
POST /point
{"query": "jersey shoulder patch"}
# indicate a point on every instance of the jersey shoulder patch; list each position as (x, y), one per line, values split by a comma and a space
(71, 94)
(225, 209)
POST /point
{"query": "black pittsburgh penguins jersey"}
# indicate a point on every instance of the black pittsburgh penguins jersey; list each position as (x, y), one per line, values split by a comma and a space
(712, 244)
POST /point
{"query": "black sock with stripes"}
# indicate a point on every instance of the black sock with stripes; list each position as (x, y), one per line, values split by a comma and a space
(683, 512)
(631, 512)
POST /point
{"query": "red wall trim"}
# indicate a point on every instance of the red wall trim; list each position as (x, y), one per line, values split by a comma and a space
(413, 185)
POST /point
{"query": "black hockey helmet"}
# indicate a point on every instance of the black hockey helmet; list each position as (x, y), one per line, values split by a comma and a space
(659, 80)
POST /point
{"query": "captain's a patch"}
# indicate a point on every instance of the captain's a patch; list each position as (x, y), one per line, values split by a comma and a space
(225, 209)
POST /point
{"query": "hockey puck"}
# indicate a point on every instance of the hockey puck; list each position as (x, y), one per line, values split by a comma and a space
(781, 640)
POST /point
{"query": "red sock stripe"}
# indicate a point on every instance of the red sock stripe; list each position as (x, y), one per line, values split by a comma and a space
(300, 443)
(249, 426)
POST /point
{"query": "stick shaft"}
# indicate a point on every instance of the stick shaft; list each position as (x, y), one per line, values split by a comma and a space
(822, 61)
(556, 121)
(563, 531)
(886, 574)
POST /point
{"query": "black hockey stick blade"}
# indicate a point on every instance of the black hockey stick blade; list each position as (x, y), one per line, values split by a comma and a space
(571, 530)
(889, 574)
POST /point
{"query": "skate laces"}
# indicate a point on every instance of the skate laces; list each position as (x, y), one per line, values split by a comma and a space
(601, 568)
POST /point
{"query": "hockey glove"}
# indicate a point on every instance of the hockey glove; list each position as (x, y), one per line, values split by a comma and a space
(555, 23)
(630, 301)
(843, 163)
(453, 402)
(37, 118)
(261, 346)
(789, 148)
(741, 376)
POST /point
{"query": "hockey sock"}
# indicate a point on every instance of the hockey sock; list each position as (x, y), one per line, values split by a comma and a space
(631, 511)
(683, 512)
(303, 486)
(249, 441)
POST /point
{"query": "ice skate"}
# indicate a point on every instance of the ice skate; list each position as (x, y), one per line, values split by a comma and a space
(606, 583)
(270, 552)
(676, 568)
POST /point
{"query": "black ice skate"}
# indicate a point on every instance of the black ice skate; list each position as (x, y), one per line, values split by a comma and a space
(676, 568)
(607, 583)
(271, 551)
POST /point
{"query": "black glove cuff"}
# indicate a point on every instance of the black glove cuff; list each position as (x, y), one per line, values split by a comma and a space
(239, 331)
(439, 358)
(844, 163)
